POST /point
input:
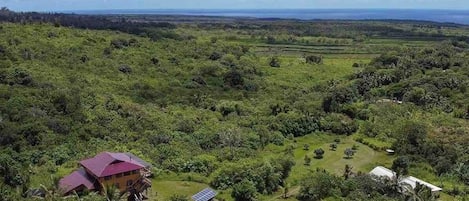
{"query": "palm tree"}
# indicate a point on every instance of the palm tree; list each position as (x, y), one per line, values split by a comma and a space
(419, 193)
(7, 194)
(93, 196)
(348, 171)
(51, 194)
(52, 190)
(111, 193)
(393, 185)
(286, 190)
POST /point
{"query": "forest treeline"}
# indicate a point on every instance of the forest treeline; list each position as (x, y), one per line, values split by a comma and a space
(90, 22)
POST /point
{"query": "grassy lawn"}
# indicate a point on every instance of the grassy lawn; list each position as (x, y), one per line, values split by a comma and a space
(294, 72)
(364, 160)
(163, 190)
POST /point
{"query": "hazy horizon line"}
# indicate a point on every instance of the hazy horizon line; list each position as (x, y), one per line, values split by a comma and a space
(237, 9)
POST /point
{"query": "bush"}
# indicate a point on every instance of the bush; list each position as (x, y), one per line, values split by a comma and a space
(21, 77)
(277, 138)
(178, 197)
(215, 56)
(274, 62)
(338, 124)
(319, 153)
(125, 69)
(244, 191)
(199, 80)
(333, 146)
(317, 186)
(349, 153)
(119, 43)
(307, 160)
(313, 59)
(338, 96)
(386, 60)
(155, 61)
(204, 164)
(296, 124)
(234, 79)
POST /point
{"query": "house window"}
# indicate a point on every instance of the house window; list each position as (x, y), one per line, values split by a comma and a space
(134, 171)
(129, 182)
(126, 173)
(108, 178)
(117, 185)
(119, 175)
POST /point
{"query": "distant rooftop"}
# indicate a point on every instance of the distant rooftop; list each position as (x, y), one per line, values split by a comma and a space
(107, 163)
(412, 181)
(75, 180)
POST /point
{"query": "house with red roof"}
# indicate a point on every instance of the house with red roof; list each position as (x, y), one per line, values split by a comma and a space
(125, 171)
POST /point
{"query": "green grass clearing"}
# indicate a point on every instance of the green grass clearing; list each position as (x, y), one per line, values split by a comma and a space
(163, 190)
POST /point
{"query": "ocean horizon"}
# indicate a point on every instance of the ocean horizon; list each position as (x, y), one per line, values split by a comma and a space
(445, 16)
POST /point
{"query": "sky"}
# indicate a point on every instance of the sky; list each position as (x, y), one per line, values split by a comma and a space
(70, 5)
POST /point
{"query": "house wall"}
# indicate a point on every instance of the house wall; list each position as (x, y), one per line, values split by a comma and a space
(120, 182)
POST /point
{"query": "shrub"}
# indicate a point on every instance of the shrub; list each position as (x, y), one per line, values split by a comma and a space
(125, 69)
(307, 160)
(215, 56)
(313, 59)
(274, 62)
(244, 191)
(277, 138)
(338, 96)
(349, 153)
(199, 80)
(178, 197)
(338, 124)
(155, 61)
(84, 58)
(319, 153)
(119, 43)
(296, 124)
(317, 186)
(333, 146)
(21, 77)
(386, 60)
(234, 79)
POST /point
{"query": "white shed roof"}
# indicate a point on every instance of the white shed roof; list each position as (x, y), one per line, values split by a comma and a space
(412, 181)
(383, 172)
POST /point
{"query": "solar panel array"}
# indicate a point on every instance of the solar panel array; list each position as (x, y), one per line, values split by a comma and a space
(204, 195)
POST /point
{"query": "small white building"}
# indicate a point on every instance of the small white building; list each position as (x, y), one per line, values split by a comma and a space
(412, 181)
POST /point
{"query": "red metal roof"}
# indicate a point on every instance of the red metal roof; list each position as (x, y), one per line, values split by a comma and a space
(75, 180)
(106, 164)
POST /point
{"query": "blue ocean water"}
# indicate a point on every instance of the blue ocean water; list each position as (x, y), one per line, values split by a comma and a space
(452, 16)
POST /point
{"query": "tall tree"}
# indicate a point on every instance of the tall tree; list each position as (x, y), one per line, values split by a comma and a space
(244, 191)
(401, 166)
(348, 171)
(231, 138)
